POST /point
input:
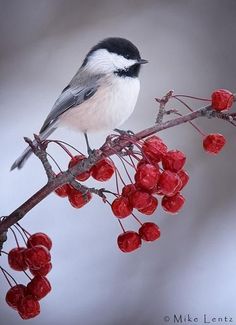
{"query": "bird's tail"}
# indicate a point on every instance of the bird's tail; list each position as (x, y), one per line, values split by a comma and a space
(20, 161)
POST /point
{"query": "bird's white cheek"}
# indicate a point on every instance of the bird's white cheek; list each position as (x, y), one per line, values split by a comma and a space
(121, 62)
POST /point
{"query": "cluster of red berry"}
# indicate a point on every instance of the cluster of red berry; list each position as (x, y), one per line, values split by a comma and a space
(102, 172)
(159, 172)
(221, 100)
(151, 179)
(35, 257)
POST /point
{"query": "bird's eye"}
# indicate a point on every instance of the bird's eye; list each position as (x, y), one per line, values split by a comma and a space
(127, 56)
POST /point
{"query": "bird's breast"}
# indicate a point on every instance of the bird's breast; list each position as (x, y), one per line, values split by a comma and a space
(107, 109)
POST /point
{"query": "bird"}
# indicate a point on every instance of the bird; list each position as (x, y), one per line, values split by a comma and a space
(101, 95)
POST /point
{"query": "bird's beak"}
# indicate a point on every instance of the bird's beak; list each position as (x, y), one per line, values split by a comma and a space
(142, 61)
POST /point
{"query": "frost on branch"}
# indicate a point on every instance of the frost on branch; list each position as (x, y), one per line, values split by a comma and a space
(151, 177)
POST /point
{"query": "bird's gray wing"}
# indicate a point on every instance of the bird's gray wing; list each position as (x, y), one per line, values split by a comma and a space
(70, 97)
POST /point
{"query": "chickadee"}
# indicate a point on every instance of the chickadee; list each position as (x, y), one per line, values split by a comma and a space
(101, 95)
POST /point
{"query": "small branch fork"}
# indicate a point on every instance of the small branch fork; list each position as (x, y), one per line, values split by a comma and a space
(113, 145)
(39, 149)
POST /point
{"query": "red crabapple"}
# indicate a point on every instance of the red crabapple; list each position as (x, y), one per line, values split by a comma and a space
(150, 209)
(128, 190)
(169, 183)
(222, 99)
(184, 178)
(74, 161)
(39, 238)
(140, 199)
(173, 160)
(214, 143)
(147, 176)
(129, 241)
(103, 170)
(173, 204)
(37, 257)
(14, 294)
(28, 307)
(39, 287)
(78, 199)
(16, 259)
(44, 270)
(121, 207)
(154, 149)
(63, 190)
(149, 231)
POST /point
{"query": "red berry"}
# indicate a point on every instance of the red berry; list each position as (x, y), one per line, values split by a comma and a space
(16, 259)
(150, 209)
(63, 190)
(39, 238)
(147, 176)
(121, 207)
(173, 204)
(37, 257)
(142, 162)
(28, 307)
(43, 271)
(140, 200)
(78, 199)
(174, 160)
(128, 190)
(149, 231)
(74, 161)
(154, 149)
(14, 294)
(169, 183)
(184, 178)
(214, 143)
(222, 99)
(129, 241)
(103, 170)
(39, 287)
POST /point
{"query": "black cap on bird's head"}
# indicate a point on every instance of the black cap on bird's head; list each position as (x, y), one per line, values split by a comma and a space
(118, 48)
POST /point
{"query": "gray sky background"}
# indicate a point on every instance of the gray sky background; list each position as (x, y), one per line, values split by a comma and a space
(191, 270)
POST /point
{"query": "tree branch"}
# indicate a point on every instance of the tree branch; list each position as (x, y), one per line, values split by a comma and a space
(108, 149)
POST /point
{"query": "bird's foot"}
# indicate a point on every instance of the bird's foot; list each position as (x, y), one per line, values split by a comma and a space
(129, 134)
(91, 152)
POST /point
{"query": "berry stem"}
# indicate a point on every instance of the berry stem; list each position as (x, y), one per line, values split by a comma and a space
(61, 144)
(137, 219)
(27, 234)
(27, 275)
(132, 162)
(3, 252)
(193, 125)
(4, 273)
(54, 160)
(117, 182)
(14, 234)
(119, 174)
(192, 97)
(22, 236)
(182, 102)
(126, 170)
(122, 227)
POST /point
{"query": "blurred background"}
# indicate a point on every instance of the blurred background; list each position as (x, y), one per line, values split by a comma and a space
(191, 48)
